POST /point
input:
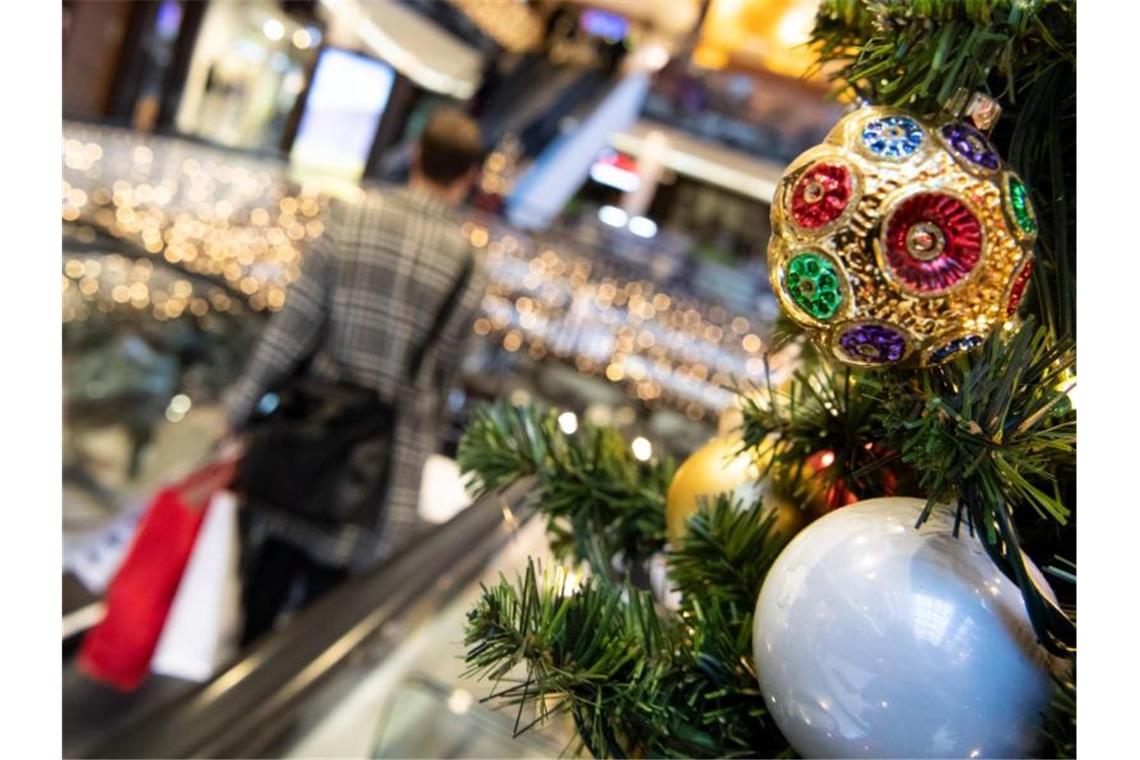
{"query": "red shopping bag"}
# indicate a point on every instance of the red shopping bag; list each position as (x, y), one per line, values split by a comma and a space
(118, 650)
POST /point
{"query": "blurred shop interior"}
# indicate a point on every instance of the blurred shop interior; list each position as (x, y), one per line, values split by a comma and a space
(623, 208)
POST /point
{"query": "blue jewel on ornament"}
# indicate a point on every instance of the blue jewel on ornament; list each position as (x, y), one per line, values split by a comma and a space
(957, 346)
(894, 137)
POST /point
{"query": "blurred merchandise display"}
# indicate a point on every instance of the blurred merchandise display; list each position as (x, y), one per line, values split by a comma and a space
(516, 26)
(771, 36)
(238, 220)
(759, 113)
(698, 215)
(673, 350)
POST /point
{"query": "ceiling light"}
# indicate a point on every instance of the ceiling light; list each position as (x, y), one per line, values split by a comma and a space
(273, 29)
(303, 39)
(643, 227)
(613, 216)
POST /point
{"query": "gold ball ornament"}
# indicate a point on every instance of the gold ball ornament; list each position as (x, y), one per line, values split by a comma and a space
(720, 467)
(900, 242)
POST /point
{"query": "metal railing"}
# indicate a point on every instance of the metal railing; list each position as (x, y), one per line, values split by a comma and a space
(330, 646)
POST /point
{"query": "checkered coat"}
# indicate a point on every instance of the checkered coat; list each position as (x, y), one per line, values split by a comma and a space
(368, 292)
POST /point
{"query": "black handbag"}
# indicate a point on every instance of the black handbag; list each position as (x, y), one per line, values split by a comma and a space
(325, 452)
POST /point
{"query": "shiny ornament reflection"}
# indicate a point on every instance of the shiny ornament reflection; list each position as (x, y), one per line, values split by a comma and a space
(875, 639)
(721, 467)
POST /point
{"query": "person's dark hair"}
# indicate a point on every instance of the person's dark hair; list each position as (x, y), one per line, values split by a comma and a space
(450, 145)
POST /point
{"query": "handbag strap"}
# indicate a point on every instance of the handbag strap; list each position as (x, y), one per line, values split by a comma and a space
(444, 313)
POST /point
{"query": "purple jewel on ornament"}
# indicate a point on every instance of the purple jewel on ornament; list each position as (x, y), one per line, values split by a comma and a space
(971, 145)
(873, 344)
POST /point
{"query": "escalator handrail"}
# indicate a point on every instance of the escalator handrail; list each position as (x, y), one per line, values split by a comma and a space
(232, 715)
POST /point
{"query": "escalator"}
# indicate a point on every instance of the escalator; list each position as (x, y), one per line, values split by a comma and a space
(371, 670)
(374, 668)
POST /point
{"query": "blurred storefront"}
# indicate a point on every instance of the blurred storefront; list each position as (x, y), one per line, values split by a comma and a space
(241, 74)
(635, 296)
(641, 286)
(248, 70)
(120, 59)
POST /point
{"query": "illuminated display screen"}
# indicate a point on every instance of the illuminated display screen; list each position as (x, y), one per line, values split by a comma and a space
(346, 102)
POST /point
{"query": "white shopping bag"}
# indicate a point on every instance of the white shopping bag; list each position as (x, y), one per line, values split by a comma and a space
(202, 630)
(663, 592)
(95, 556)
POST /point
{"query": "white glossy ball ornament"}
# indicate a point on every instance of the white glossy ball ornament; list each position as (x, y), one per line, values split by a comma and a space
(875, 639)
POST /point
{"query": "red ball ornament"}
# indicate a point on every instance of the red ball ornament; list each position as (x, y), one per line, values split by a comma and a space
(840, 492)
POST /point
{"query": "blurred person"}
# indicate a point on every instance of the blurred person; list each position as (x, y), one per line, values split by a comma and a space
(370, 290)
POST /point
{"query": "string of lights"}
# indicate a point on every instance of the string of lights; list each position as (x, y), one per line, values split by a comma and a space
(667, 350)
(237, 226)
(198, 209)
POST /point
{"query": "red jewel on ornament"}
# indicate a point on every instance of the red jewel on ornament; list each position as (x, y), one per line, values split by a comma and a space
(1017, 290)
(933, 241)
(821, 195)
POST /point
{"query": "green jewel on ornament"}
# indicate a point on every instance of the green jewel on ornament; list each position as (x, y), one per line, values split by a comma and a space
(813, 283)
(1020, 206)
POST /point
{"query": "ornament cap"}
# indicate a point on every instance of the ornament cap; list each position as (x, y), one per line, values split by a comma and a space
(978, 108)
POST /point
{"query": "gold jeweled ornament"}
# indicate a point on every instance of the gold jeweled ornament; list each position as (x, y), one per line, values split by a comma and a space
(720, 466)
(901, 242)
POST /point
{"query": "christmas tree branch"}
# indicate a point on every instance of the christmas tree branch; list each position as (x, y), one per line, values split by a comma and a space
(995, 421)
(1061, 719)
(599, 652)
(600, 501)
(636, 684)
(822, 411)
(916, 54)
(722, 560)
